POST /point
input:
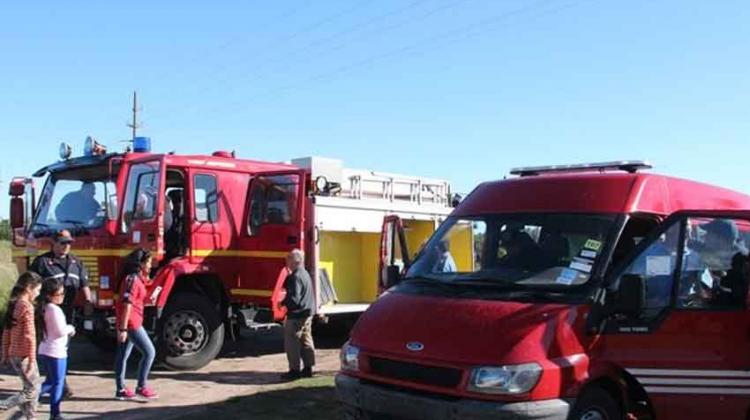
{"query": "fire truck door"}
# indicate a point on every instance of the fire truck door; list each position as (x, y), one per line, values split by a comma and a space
(274, 226)
(394, 253)
(141, 218)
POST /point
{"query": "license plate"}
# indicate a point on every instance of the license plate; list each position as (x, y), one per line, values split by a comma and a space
(88, 325)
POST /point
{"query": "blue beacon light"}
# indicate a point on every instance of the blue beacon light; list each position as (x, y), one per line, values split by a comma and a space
(141, 144)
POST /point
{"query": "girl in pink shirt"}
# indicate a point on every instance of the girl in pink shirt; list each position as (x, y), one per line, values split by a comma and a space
(53, 350)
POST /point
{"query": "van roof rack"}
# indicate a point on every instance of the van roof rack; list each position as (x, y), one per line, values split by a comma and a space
(629, 166)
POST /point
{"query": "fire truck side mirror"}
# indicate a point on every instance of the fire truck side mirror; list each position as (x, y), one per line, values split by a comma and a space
(631, 295)
(17, 213)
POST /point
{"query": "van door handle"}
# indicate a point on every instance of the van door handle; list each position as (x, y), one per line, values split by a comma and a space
(291, 240)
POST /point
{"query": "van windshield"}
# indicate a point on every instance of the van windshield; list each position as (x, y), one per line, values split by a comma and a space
(557, 250)
(76, 199)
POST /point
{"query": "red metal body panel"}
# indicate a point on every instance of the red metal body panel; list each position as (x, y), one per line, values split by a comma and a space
(598, 193)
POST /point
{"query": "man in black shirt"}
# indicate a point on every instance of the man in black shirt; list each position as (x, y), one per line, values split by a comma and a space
(300, 304)
(60, 264)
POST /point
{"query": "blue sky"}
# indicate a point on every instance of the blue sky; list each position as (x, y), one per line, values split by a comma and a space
(459, 89)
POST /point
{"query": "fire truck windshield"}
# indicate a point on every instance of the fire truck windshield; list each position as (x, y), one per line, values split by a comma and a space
(79, 198)
(557, 250)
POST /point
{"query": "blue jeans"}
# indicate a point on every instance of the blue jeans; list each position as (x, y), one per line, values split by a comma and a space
(53, 384)
(140, 339)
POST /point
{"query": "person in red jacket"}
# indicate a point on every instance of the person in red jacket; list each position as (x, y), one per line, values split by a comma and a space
(19, 343)
(129, 322)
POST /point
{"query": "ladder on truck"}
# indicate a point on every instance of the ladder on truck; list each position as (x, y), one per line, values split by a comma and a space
(396, 188)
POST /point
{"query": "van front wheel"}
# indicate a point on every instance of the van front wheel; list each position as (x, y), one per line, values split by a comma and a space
(596, 404)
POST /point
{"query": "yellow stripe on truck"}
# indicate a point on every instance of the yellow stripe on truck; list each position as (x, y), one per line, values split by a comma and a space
(237, 253)
(251, 292)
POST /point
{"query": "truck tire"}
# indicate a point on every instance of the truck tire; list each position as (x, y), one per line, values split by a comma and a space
(596, 404)
(191, 332)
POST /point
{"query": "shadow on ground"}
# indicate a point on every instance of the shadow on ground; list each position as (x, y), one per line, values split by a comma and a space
(84, 356)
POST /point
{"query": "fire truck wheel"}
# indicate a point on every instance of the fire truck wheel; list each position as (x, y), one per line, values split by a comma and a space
(191, 333)
(596, 404)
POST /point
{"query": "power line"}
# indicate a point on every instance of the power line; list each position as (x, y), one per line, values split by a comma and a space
(405, 51)
(292, 59)
(172, 73)
(287, 38)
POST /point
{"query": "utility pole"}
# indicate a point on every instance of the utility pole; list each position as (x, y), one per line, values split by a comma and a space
(135, 125)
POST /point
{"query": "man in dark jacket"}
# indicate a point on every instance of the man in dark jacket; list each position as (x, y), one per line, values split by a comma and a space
(60, 264)
(300, 304)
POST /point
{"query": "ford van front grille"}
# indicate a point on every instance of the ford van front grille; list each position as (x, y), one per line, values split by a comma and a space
(412, 372)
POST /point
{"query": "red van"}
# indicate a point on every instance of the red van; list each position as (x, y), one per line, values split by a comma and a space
(580, 292)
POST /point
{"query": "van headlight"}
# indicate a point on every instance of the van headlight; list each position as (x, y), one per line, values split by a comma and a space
(349, 357)
(513, 379)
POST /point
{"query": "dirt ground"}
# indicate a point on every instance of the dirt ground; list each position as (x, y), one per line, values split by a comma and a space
(243, 383)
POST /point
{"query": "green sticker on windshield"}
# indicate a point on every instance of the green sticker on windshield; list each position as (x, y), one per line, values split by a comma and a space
(593, 244)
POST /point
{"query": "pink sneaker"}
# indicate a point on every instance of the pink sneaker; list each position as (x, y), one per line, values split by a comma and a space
(147, 393)
(124, 394)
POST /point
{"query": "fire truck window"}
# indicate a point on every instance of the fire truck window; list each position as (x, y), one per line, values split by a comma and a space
(206, 199)
(257, 206)
(714, 272)
(281, 199)
(273, 200)
(656, 264)
(141, 194)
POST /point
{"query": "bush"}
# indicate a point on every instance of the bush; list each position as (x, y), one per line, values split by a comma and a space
(4, 230)
(8, 275)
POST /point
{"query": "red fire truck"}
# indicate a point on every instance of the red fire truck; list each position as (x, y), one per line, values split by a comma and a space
(581, 292)
(220, 228)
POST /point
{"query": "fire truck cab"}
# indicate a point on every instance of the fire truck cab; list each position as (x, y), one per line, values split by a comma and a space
(594, 291)
(220, 229)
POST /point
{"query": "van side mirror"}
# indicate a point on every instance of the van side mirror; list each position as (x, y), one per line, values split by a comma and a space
(631, 295)
(393, 276)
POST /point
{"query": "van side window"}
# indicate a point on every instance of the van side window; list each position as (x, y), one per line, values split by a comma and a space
(273, 200)
(206, 198)
(714, 272)
(656, 265)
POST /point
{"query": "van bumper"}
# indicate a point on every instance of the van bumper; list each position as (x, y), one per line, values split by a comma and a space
(381, 400)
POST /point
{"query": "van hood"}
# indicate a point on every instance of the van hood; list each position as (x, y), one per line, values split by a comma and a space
(469, 331)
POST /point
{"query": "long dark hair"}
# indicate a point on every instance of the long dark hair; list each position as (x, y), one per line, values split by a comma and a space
(49, 288)
(133, 262)
(26, 281)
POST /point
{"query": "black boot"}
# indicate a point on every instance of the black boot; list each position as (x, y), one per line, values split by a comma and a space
(292, 375)
(307, 372)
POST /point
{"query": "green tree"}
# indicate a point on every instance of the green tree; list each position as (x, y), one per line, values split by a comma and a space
(4, 230)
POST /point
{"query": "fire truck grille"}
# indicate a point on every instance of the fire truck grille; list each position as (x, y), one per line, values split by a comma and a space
(411, 372)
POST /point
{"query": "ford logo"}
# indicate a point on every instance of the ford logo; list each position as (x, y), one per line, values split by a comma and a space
(415, 346)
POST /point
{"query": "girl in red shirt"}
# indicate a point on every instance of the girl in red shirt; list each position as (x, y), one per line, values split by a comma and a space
(19, 342)
(129, 323)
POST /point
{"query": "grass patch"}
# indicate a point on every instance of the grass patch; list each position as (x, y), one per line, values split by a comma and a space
(308, 399)
(8, 275)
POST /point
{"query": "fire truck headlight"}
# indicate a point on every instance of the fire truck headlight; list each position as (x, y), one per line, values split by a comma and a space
(512, 379)
(349, 357)
(65, 151)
